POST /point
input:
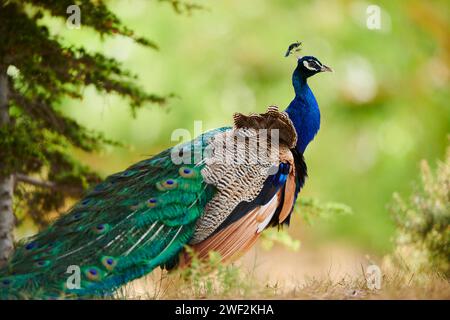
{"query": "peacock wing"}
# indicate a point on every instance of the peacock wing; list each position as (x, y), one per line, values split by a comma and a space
(256, 183)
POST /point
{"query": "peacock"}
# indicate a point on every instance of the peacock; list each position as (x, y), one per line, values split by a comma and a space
(217, 192)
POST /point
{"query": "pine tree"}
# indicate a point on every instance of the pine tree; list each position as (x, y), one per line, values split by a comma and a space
(36, 72)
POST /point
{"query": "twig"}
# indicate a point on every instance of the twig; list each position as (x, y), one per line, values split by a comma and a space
(46, 184)
(35, 182)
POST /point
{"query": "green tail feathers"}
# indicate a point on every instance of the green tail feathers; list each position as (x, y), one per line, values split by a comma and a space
(133, 222)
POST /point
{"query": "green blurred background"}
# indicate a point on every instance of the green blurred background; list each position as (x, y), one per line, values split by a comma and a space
(384, 109)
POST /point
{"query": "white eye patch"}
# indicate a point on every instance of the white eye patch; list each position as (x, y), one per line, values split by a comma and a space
(311, 66)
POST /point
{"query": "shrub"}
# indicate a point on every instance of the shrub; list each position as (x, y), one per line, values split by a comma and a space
(423, 231)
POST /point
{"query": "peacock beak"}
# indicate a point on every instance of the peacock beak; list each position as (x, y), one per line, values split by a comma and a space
(326, 68)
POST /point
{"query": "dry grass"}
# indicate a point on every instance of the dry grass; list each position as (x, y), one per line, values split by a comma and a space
(211, 280)
(395, 286)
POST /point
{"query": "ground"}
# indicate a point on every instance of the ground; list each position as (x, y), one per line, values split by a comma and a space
(329, 272)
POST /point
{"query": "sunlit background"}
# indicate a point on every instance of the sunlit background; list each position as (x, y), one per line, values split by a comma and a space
(384, 108)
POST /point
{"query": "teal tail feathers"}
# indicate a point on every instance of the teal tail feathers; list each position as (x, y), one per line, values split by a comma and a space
(133, 222)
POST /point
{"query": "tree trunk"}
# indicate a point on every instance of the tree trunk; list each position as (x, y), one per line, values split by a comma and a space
(7, 219)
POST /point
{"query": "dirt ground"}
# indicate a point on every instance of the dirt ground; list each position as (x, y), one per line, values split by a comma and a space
(330, 271)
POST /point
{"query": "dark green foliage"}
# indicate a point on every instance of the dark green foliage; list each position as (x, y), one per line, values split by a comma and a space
(95, 15)
(126, 226)
(423, 222)
(38, 138)
(21, 140)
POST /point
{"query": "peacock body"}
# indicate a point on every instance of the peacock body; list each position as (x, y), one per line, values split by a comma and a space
(144, 217)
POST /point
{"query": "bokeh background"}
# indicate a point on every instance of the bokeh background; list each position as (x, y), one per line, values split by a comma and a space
(384, 108)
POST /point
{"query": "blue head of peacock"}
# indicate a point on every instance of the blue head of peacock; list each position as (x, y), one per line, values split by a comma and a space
(308, 66)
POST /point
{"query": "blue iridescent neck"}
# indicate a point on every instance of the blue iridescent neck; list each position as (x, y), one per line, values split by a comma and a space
(303, 111)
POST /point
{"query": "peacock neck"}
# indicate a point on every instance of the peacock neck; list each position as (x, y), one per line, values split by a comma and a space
(304, 112)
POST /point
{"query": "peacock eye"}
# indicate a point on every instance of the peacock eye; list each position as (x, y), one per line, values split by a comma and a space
(6, 282)
(165, 185)
(109, 262)
(42, 263)
(93, 273)
(31, 246)
(101, 228)
(152, 202)
(186, 172)
(311, 65)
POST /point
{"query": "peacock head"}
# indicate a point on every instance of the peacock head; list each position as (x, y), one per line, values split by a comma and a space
(308, 66)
